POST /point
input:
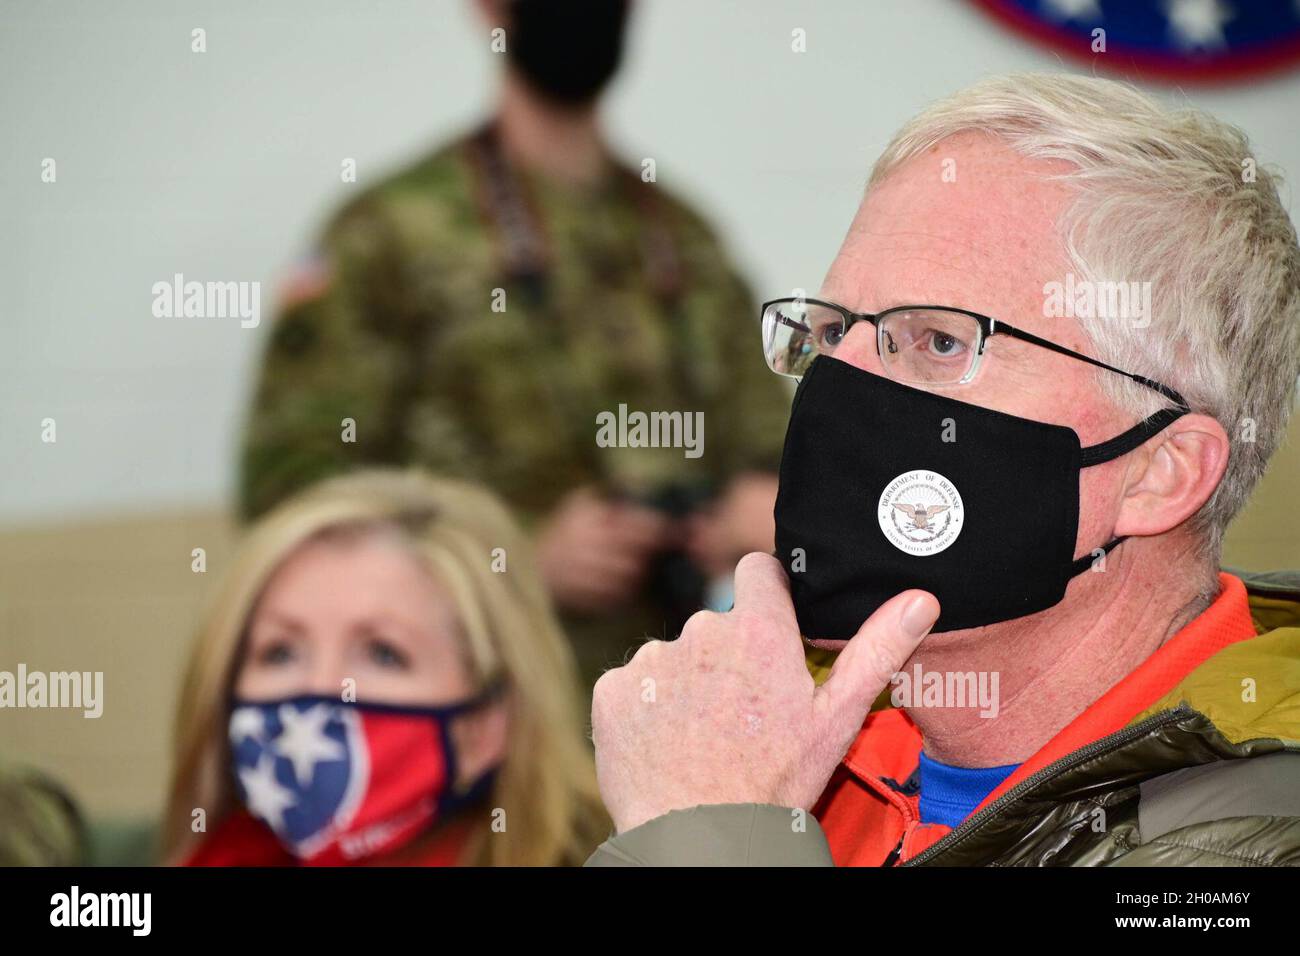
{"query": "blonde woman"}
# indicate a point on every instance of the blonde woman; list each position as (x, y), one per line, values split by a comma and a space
(382, 682)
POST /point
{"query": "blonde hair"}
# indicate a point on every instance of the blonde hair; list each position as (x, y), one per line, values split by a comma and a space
(1163, 196)
(546, 784)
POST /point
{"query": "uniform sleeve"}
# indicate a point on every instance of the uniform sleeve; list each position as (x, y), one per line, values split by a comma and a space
(755, 406)
(748, 406)
(733, 834)
(337, 372)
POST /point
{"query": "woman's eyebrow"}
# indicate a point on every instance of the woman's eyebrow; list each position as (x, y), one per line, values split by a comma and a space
(389, 624)
(281, 618)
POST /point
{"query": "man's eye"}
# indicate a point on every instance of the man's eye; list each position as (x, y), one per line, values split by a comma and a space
(943, 344)
(830, 336)
(386, 655)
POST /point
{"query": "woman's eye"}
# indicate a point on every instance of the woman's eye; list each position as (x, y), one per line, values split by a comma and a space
(384, 654)
(275, 654)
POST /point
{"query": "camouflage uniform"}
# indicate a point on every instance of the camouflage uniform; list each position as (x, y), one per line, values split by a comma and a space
(393, 326)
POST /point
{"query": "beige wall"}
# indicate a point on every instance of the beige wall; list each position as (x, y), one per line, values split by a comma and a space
(113, 596)
(119, 596)
(1266, 536)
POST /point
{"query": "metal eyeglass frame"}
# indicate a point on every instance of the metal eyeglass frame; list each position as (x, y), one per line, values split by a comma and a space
(988, 327)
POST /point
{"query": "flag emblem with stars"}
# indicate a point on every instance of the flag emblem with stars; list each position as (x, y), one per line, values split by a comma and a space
(1178, 40)
(302, 767)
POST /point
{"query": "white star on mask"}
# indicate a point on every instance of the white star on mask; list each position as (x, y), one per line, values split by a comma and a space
(246, 722)
(303, 740)
(264, 795)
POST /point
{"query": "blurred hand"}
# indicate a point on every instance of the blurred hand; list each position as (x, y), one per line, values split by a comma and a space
(740, 521)
(594, 552)
(728, 712)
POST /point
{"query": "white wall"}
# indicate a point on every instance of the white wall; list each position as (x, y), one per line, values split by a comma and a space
(221, 165)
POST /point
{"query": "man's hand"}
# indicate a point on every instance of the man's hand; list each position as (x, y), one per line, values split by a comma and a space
(594, 553)
(728, 712)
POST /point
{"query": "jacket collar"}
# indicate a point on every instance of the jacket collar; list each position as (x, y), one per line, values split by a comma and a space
(1225, 621)
(888, 745)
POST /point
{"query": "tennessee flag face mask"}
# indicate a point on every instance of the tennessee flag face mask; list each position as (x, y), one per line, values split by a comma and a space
(885, 487)
(342, 782)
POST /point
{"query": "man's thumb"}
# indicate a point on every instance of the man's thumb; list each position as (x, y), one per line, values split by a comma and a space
(873, 656)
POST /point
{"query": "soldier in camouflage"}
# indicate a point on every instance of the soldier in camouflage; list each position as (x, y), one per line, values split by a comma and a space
(476, 312)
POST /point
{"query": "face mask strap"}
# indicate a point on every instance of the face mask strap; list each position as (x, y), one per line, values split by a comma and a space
(1079, 565)
(494, 688)
(452, 800)
(1124, 443)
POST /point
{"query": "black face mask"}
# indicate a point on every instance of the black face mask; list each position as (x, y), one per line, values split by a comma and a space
(567, 49)
(885, 487)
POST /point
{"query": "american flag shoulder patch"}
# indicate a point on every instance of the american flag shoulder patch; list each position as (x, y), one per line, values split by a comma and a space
(307, 279)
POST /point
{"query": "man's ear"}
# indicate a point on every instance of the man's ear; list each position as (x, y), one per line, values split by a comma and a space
(1175, 473)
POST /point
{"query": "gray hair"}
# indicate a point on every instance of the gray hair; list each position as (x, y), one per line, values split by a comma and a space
(1174, 197)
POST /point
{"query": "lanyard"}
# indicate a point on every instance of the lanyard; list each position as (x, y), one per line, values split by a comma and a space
(519, 233)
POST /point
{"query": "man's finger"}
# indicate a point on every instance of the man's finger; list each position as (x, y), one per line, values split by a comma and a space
(876, 652)
(762, 587)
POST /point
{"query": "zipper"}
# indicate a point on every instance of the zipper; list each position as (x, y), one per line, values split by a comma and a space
(895, 853)
(894, 798)
(1117, 739)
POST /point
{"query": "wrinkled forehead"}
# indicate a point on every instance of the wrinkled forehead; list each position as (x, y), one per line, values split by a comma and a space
(969, 223)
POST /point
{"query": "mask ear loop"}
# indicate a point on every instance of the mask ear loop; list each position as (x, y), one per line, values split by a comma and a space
(1079, 565)
(1122, 444)
(452, 800)
(1125, 442)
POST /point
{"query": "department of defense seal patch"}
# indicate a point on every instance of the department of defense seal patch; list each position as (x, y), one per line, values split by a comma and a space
(920, 512)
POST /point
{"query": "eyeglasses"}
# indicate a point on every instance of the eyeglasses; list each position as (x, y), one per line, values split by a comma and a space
(918, 344)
